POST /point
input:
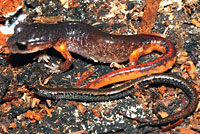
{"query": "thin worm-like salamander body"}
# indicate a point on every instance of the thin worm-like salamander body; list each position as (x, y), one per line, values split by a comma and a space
(80, 94)
(91, 43)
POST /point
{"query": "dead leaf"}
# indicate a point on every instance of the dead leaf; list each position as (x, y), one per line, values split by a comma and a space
(46, 80)
(81, 108)
(49, 19)
(97, 112)
(190, 68)
(186, 131)
(163, 114)
(196, 22)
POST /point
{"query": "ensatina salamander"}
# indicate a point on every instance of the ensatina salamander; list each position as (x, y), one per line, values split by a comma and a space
(91, 43)
(85, 94)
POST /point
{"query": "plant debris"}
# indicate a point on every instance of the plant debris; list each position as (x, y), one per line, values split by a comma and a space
(23, 111)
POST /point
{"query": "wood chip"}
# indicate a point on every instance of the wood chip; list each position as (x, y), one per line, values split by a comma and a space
(149, 16)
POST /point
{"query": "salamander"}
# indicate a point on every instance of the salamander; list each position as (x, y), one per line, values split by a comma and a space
(87, 94)
(91, 43)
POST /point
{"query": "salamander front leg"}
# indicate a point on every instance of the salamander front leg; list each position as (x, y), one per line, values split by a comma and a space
(60, 47)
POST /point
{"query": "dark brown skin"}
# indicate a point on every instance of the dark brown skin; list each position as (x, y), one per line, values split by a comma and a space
(91, 43)
(94, 44)
(85, 94)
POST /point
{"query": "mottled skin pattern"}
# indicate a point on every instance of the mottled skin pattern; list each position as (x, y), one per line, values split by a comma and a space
(91, 43)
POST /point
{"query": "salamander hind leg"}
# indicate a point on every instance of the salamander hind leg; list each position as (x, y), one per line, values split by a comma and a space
(133, 58)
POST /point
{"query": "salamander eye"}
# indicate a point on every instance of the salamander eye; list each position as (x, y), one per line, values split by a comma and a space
(21, 46)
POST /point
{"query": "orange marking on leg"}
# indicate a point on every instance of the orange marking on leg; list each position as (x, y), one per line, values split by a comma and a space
(61, 47)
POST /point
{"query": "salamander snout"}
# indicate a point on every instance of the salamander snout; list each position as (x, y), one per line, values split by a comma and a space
(20, 43)
(16, 46)
(30, 38)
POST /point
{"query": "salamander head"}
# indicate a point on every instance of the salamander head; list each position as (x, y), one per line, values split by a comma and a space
(29, 38)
